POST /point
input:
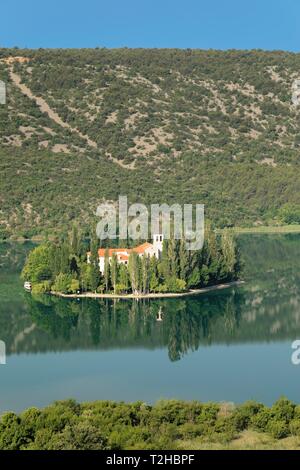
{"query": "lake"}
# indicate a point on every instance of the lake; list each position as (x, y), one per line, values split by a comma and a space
(232, 345)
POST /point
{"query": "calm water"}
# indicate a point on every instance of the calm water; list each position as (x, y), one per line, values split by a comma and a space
(227, 346)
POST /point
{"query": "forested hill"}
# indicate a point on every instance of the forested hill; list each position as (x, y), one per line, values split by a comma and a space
(212, 127)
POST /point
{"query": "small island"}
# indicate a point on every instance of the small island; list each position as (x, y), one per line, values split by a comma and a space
(164, 268)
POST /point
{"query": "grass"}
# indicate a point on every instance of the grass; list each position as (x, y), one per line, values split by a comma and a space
(268, 229)
(246, 440)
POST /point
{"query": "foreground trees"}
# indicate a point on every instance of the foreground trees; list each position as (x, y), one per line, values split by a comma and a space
(169, 424)
(62, 266)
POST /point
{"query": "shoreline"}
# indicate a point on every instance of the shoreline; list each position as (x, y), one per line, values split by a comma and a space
(203, 290)
(263, 229)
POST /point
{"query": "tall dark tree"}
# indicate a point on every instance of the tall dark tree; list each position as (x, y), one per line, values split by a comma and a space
(75, 241)
(114, 270)
(106, 270)
(183, 255)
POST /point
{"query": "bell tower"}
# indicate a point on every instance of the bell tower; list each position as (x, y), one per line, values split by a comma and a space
(158, 239)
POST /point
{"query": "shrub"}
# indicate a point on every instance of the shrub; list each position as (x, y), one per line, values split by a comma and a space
(62, 283)
(176, 411)
(294, 427)
(243, 414)
(209, 414)
(41, 287)
(80, 436)
(226, 427)
(297, 411)
(74, 286)
(190, 430)
(278, 428)
(283, 409)
(261, 419)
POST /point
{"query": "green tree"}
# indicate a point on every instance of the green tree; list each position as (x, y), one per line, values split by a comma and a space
(145, 274)
(153, 275)
(183, 260)
(75, 241)
(94, 257)
(123, 280)
(106, 270)
(94, 277)
(114, 269)
(65, 253)
(37, 267)
(134, 271)
(229, 254)
(62, 283)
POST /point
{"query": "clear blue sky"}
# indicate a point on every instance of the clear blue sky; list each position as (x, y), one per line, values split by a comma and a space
(218, 24)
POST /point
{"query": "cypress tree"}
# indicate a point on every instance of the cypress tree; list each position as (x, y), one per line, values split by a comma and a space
(183, 260)
(145, 274)
(114, 269)
(65, 258)
(106, 270)
(94, 251)
(123, 277)
(229, 255)
(153, 274)
(173, 258)
(134, 272)
(75, 243)
(94, 277)
(164, 265)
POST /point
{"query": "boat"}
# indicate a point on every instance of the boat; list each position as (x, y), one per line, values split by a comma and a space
(27, 286)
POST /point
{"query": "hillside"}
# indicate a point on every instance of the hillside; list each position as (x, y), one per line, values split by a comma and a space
(212, 127)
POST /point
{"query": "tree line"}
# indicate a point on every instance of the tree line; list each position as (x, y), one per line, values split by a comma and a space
(168, 424)
(62, 266)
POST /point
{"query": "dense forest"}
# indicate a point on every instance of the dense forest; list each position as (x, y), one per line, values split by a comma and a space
(186, 126)
(62, 266)
(169, 424)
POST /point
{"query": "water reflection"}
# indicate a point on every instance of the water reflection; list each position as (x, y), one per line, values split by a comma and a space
(265, 309)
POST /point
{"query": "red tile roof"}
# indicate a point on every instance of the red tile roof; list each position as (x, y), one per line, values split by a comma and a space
(123, 257)
(125, 251)
(142, 248)
(111, 251)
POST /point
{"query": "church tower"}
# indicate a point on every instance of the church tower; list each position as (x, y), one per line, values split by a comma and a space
(158, 239)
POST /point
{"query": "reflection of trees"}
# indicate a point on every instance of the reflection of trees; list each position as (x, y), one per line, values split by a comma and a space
(54, 316)
(186, 322)
(266, 308)
(192, 321)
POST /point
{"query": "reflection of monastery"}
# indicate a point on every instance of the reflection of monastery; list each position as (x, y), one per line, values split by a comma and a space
(147, 249)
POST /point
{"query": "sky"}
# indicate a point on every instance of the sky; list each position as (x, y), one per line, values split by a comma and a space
(203, 24)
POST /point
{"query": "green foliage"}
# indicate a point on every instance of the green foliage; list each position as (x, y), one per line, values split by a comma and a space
(278, 428)
(67, 272)
(104, 425)
(290, 213)
(62, 283)
(41, 287)
(294, 427)
(244, 414)
(74, 286)
(169, 118)
(37, 266)
(283, 409)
